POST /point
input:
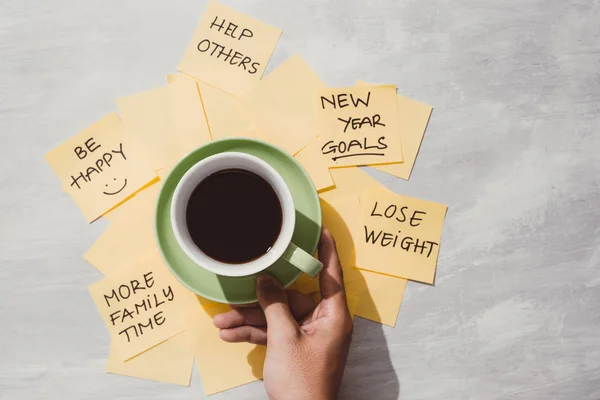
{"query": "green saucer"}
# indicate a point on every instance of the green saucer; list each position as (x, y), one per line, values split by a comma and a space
(238, 290)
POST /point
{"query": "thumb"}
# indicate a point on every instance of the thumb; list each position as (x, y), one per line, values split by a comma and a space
(273, 300)
(331, 280)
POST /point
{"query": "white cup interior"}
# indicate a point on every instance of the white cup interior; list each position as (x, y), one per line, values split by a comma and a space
(209, 166)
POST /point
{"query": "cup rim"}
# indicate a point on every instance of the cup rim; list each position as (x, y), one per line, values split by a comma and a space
(193, 177)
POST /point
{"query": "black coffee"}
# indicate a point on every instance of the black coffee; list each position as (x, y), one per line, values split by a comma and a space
(234, 216)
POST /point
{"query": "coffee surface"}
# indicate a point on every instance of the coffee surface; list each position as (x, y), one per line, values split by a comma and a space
(234, 216)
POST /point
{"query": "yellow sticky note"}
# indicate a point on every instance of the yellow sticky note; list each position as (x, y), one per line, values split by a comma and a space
(225, 115)
(399, 235)
(222, 365)
(168, 122)
(223, 111)
(283, 104)
(142, 306)
(229, 50)
(316, 166)
(358, 125)
(382, 297)
(123, 204)
(130, 235)
(348, 181)
(413, 118)
(142, 202)
(379, 296)
(100, 167)
(163, 172)
(179, 77)
(190, 128)
(171, 361)
(341, 227)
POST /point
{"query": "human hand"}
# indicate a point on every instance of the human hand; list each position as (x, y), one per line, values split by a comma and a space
(307, 344)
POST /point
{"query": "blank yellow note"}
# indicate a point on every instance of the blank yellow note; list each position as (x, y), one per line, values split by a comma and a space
(229, 50)
(223, 111)
(348, 181)
(190, 128)
(379, 296)
(222, 365)
(100, 167)
(225, 115)
(168, 122)
(399, 235)
(141, 306)
(381, 300)
(171, 361)
(130, 235)
(310, 158)
(358, 125)
(283, 105)
(413, 118)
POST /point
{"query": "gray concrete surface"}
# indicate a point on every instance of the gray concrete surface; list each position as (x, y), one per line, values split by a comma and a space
(512, 148)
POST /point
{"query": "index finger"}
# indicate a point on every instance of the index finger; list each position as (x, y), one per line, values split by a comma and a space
(331, 280)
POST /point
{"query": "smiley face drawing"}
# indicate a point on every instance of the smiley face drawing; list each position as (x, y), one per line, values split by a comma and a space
(118, 191)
